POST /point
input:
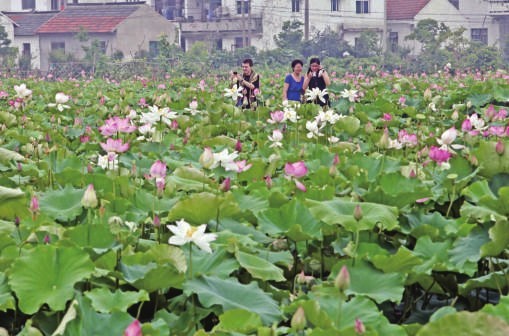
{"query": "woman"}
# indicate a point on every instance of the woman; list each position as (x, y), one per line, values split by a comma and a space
(317, 77)
(292, 89)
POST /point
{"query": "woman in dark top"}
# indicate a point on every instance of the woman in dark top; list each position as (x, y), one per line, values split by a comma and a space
(292, 89)
(317, 77)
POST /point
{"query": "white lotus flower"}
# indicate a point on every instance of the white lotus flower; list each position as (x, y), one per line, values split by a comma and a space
(315, 93)
(225, 160)
(22, 91)
(447, 139)
(328, 116)
(351, 95)
(234, 92)
(477, 123)
(155, 115)
(314, 129)
(60, 100)
(290, 114)
(276, 138)
(185, 233)
(109, 161)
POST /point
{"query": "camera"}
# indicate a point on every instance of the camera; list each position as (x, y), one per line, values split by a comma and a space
(235, 72)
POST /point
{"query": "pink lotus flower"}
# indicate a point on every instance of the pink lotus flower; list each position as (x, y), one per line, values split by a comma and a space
(296, 169)
(242, 166)
(226, 185)
(409, 140)
(268, 181)
(439, 155)
(133, 329)
(359, 327)
(158, 170)
(497, 131)
(466, 125)
(34, 204)
(387, 117)
(276, 117)
(115, 145)
(116, 125)
(238, 146)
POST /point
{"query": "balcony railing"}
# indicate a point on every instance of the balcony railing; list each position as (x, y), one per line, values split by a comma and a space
(232, 24)
(499, 7)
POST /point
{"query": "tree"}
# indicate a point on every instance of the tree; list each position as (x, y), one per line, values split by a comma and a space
(290, 36)
(429, 33)
(7, 53)
(367, 44)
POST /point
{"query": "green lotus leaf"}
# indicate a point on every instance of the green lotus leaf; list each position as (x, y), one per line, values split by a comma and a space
(466, 251)
(402, 261)
(293, 219)
(203, 207)
(387, 287)
(339, 211)
(466, 323)
(9, 193)
(259, 268)
(47, 274)
(105, 301)
(63, 205)
(349, 124)
(7, 155)
(90, 322)
(499, 239)
(96, 236)
(501, 309)
(491, 162)
(146, 201)
(6, 298)
(252, 202)
(434, 224)
(219, 264)
(238, 320)
(434, 255)
(493, 280)
(230, 294)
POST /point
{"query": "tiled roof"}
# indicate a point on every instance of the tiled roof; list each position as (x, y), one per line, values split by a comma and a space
(92, 18)
(28, 23)
(404, 9)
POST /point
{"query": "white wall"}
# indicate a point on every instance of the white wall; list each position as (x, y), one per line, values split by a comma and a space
(34, 48)
(16, 5)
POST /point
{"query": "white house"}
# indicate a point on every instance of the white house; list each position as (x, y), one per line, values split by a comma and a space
(30, 5)
(473, 15)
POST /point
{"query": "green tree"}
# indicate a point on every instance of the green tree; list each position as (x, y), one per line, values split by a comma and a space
(429, 33)
(290, 36)
(7, 53)
(368, 44)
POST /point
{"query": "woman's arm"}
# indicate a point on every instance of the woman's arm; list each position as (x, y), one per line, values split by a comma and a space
(326, 77)
(285, 91)
(306, 81)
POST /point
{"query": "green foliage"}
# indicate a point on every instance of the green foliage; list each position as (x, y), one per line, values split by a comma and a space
(290, 36)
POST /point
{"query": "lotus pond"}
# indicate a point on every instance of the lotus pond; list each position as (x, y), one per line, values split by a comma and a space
(157, 207)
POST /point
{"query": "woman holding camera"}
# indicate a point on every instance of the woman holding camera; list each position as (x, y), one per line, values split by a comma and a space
(317, 77)
(292, 89)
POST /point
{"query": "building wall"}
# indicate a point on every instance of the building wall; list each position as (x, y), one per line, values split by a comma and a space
(16, 5)
(34, 48)
(8, 26)
(143, 26)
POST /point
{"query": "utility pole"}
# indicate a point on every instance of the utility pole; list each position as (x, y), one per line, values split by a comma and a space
(249, 23)
(306, 20)
(242, 7)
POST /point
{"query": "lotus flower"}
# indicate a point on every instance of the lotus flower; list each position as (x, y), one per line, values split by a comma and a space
(439, 155)
(116, 125)
(276, 138)
(114, 145)
(297, 169)
(351, 95)
(207, 158)
(133, 329)
(89, 199)
(234, 92)
(185, 233)
(22, 91)
(314, 94)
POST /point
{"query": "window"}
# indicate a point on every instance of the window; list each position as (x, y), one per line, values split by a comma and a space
(102, 46)
(362, 6)
(58, 46)
(239, 42)
(393, 41)
(28, 4)
(243, 4)
(480, 35)
(219, 44)
(334, 5)
(26, 50)
(455, 3)
(295, 6)
(153, 49)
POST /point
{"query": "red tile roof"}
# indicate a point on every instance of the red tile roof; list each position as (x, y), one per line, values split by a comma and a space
(404, 9)
(27, 23)
(92, 18)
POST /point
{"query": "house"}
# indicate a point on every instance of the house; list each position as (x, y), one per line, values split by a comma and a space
(31, 5)
(473, 16)
(25, 38)
(230, 24)
(126, 28)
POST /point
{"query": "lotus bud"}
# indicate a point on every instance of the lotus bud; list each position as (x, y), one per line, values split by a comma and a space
(342, 281)
(427, 94)
(157, 221)
(17, 221)
(89, 199)
(299, 319)
(34, 204)
(268, 181)
(336, 160)
(207, 158)
(238, 146)
(280, 244)
(500, 147)
(360, 329)
(133, 329)
(412, 174)
(357, 213)
(455, 115)
(384, 141)
(47, 239)
(333, 171)
(226, 185)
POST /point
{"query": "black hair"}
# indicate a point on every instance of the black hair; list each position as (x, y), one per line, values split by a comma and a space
(295, 62)
(248, 61)
(314, 60)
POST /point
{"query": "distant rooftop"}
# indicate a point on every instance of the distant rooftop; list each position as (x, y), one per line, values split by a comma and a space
(27, 23)
(94, 18)
(404, 9)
